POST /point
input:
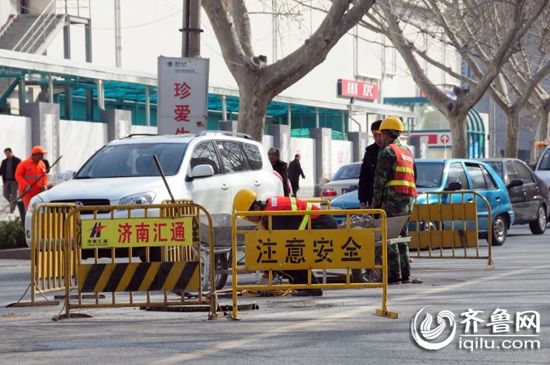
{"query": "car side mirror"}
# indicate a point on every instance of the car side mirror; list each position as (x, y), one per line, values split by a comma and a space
(204, 170)
(352, 188)
(514, 183)
(453, 186)
(68, 175)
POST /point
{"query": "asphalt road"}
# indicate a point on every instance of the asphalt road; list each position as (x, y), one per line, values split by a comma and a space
(336, 328)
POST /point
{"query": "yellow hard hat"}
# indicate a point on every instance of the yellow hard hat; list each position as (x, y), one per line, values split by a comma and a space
(243, 200)
(392, 123)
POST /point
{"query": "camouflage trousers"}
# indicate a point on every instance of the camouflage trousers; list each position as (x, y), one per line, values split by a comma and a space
(399, 267)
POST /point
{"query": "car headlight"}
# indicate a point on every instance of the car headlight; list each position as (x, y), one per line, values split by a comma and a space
(140, 198)
(37, 199)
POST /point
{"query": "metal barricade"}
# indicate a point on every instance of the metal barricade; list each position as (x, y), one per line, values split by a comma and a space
(447, 227)
(346, 248)
(48, 271)
(137, 256)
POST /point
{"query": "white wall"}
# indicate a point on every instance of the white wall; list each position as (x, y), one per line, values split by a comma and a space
(79, 141)
(143, 129)
(342, 154)
(37, 6)
(305, 147)
(267, 142)
(7, 8)
(15, 132)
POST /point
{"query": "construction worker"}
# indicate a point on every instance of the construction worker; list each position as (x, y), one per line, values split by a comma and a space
(394, 191)
(31, 175)
(245, 200)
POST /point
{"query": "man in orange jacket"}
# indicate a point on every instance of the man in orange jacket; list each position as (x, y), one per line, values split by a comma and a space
(31, 175)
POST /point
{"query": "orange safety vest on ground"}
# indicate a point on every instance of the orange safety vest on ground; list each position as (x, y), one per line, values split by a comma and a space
(293, 204)
(403, 177)
(26, 174)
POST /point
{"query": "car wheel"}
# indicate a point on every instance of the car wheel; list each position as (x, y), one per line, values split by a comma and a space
(538, 226)
(500, 231)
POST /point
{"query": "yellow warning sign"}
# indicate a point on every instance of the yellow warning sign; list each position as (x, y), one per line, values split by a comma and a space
(317, 249)
(137, 232)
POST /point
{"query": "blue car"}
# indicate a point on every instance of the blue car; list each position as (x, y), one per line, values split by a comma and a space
(434, 175)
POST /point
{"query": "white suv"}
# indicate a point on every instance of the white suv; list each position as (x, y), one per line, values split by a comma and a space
(207, 168)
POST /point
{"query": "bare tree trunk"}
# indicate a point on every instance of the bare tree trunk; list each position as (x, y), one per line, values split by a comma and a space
(253, 105)
(512, 128)
(458, 131)
(544, 119)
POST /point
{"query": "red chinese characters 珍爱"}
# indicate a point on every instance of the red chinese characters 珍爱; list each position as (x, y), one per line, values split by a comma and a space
(182, 90)
(181, 113)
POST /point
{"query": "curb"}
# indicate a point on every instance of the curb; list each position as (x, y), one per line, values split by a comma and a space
(15, 254)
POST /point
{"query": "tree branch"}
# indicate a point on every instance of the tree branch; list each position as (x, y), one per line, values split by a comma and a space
(405, 49)
(239, 13)
(504, 51)
(541, 73)
(339, 19)
(232, 51)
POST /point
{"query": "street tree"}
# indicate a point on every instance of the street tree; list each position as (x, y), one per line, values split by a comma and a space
(463, 26)
(519, 82)
(259, 81)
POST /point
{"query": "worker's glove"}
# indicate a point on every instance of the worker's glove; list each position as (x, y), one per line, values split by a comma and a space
(27, 188)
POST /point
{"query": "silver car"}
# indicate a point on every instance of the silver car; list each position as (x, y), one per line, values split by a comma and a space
(542, 168)
(346, 179)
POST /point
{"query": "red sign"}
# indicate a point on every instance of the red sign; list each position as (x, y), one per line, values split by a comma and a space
(364, 90)
(436, 138)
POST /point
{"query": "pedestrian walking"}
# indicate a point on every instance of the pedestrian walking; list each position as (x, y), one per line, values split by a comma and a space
(281, 168)
(245, 200)
(7, 170)
(368, 167)
(31, 175)
(294, 173)
(394, 191)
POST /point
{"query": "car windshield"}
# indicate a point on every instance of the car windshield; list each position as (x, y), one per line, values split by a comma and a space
(133, 160)
(497, 166)
(545, 161)
(429, 174)
(348, 172)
